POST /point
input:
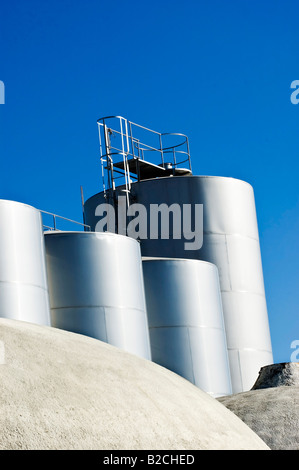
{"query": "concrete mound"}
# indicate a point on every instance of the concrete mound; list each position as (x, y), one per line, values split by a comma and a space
(278, 375)
(60, 390)
(271, 407)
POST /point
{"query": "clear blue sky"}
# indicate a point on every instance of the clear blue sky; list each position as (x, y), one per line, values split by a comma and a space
(218, 71)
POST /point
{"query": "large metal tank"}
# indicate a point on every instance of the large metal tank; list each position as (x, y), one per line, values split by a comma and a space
(230, 241)
(23, 280)
(96, 288)
(186, 325)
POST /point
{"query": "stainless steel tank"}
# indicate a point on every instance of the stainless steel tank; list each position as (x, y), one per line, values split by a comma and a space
(230, 241)
(186, 325)
(96, 288)
(23, 280)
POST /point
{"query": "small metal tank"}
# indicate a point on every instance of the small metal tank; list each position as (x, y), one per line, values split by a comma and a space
(23, 280)
(96, 288)
(186, 325)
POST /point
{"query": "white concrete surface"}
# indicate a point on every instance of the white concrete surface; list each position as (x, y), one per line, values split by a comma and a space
(61, 390)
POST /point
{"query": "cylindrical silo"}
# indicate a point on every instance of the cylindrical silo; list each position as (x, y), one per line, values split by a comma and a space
(96, 288)
(230, 241)
(186, 325)
(23, 280)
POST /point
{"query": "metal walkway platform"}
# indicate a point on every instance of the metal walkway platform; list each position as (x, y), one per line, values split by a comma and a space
(147, 170)
(124, 145)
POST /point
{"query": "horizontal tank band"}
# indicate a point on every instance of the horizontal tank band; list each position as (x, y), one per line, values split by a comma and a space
(186, 325)
(214, 232)
(24, 284)
(251, 349)
(239, 291)
(210, 232)
(79, 307)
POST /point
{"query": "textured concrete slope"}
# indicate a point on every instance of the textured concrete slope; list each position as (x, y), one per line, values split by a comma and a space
(59, 390)
(271, 408)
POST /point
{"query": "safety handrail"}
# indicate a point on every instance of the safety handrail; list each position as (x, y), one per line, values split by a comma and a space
(142, 146)
(55, 216)
(128, 140)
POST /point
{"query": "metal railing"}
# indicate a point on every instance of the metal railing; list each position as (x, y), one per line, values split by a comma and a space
(54, 217)
(120, 140)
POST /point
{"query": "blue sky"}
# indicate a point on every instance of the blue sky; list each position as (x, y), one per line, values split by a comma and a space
(218, 71)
